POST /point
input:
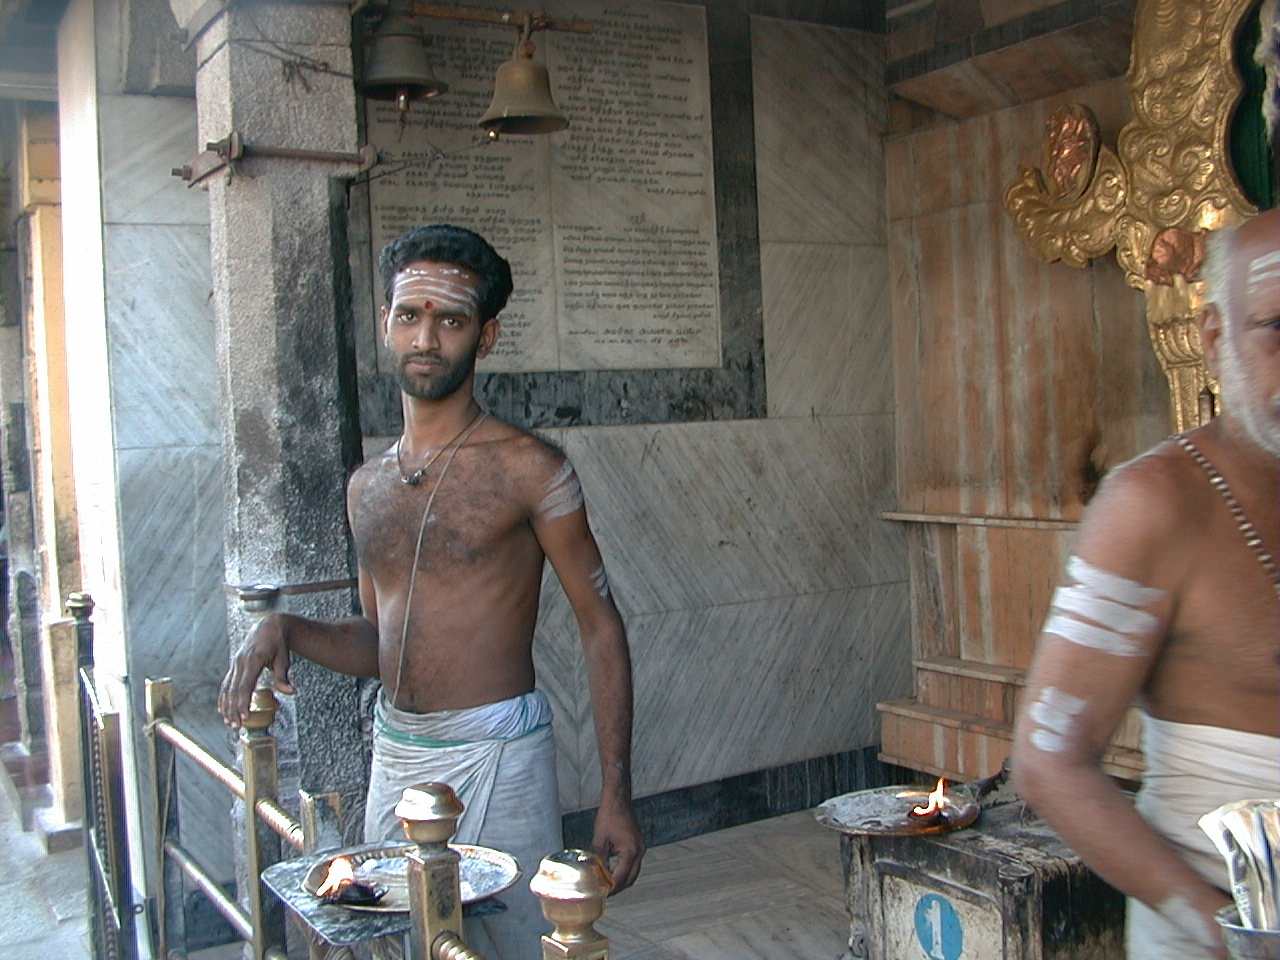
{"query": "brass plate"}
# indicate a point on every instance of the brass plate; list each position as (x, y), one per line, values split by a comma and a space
(483, 872)
(885, 811)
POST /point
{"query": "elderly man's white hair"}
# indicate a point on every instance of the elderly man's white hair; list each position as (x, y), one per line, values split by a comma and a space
(1219, 249)
(1268, 57)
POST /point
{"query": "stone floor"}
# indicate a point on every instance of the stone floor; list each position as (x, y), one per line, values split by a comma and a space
(764, 890)
(43, 909)
(771, 889)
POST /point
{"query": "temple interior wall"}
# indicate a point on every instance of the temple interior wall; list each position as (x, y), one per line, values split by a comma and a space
(916, 359)
(766, 600)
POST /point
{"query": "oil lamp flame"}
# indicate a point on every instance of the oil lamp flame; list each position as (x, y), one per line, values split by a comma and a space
(340, 873)
(937, 799)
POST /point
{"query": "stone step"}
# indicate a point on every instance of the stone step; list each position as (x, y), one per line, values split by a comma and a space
(965, 746)
(993, 693)
(969, 687)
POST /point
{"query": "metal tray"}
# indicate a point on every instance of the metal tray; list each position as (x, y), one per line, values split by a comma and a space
(483, 872)
(884, 811)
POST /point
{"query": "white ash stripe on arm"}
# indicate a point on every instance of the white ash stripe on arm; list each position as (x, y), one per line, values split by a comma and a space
(600, 581)
(563, 494)
(1054, 713)
(1120, 589)
(1102, 611)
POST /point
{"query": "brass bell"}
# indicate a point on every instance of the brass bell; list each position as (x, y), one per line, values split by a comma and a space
(395, 66)
(522, 101)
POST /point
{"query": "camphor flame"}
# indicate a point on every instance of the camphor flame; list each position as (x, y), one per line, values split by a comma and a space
(340, 872)
(937, 800)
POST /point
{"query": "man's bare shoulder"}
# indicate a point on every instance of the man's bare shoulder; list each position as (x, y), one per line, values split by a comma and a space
(523, 453)
(365, 473)
(1162, 483)
(1150, 504)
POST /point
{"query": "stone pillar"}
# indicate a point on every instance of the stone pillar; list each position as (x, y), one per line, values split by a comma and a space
(22, 621)
(278, 74)
(55, 499)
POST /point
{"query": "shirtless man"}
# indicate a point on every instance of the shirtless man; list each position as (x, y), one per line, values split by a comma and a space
(1173, 595)
(451, 527)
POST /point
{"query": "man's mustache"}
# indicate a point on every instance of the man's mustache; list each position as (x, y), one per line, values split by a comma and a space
(427, 357)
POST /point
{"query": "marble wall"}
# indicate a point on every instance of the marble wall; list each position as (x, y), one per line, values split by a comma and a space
(764, 596)
(144, 391)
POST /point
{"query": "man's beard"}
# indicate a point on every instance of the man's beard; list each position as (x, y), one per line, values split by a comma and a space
(1259, 418)
(445, 383)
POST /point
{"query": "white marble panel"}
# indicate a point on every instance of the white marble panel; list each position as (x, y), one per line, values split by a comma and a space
(698, 515)
(142, 140)
(735, 688)
(161, 333)
(828, 332)
(171, 502)
(819, 114)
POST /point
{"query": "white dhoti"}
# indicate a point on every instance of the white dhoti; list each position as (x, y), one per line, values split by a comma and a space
(500, 760)
(1192, 769)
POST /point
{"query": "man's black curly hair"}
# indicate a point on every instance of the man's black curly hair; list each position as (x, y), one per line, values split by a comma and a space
(445, 243)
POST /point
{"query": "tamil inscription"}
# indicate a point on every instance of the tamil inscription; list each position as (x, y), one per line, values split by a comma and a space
(610, 225)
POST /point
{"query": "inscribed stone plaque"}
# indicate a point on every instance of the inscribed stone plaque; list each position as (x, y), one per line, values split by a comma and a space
(610, 226)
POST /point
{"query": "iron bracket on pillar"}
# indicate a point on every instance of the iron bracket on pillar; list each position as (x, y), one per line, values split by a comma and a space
(225, 152)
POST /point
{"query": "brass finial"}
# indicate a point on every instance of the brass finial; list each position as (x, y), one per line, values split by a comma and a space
(262, 709)
(429, 812)
(80, 605)
(572, 886)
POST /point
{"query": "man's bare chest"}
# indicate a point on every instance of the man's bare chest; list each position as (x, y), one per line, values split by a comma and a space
(1228, 619)
(462, 521)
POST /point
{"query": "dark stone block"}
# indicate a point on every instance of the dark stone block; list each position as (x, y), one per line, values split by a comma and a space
(703, 808)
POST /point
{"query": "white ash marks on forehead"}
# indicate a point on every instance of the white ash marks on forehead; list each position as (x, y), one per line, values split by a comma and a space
(1263, 269)
(413, 284)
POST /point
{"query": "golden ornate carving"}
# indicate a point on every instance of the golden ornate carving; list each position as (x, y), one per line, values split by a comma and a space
(1171, 180)
(1183, 87)
(1073, 216)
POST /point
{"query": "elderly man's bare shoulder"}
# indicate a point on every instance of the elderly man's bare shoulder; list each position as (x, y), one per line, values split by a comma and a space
(1161, 491)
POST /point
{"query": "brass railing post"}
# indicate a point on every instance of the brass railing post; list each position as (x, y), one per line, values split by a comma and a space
(429, 813)
(572, 886)
(262, 846)
(321, 817)
(170, 907)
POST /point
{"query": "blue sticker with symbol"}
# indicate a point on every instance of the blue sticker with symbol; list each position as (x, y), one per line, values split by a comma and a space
(938, 928)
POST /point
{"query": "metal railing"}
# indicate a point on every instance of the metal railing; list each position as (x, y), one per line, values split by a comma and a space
(571, 885)
(111, 910)
(261, 924)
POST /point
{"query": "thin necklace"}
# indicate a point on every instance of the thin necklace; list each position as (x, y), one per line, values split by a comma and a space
(1247, 529)
(413, 479)
(458, 441)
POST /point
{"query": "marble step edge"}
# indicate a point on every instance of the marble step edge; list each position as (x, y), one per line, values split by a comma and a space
(912, 709)
(1128, 734)
(972, 669)
(1117, 759)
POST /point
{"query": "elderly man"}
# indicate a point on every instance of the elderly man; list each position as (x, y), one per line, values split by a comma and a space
(1173, 596)
(451, 527)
